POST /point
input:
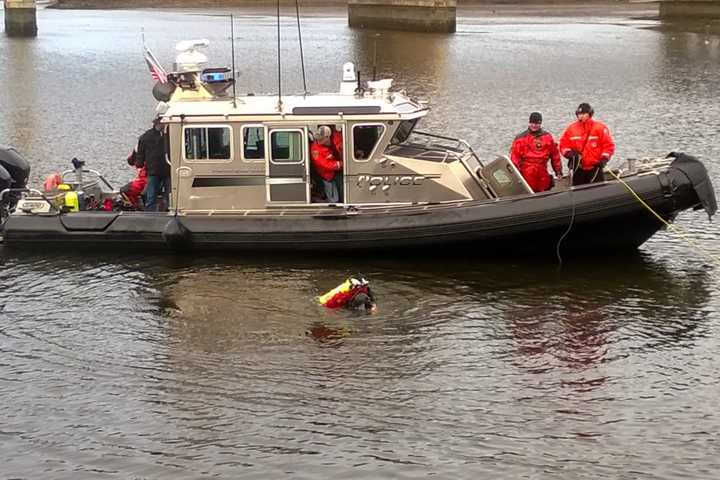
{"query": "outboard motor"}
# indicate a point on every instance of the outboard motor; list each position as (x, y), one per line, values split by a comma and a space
(14, 173)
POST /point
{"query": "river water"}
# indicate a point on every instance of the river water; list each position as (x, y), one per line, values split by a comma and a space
(128, 366)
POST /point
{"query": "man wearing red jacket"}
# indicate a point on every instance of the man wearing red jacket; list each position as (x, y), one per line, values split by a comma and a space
(531, 150)
(588, 146)
(337, 139)
(328, 164)
(132, 191)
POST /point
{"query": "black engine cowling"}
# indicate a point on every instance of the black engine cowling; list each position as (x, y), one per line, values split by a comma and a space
(13, 167)
(14, 173)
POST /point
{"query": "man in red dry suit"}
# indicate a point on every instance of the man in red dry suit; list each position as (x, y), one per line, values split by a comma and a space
(531, 150)
(588, 146)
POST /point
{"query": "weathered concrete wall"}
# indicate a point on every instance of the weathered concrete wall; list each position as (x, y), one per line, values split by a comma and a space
(690, 9)
(20, 18)
(413, 15)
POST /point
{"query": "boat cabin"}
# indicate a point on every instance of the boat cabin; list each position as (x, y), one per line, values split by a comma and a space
(241, 153)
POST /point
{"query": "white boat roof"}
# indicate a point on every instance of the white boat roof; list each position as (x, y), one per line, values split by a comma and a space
(392, 106)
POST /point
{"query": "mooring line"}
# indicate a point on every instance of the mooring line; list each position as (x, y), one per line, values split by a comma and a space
(670, 226)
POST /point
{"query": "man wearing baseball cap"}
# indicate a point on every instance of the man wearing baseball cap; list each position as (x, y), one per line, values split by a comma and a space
(530, 152)
(588, 146)
(151, 154)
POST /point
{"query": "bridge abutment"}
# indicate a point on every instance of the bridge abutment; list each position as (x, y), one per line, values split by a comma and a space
(412, 15)
(20, 18)
(700, 9)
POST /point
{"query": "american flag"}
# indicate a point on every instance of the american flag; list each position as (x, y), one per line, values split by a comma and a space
(156, 70)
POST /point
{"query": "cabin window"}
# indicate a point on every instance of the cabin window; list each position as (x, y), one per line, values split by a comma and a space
(403, 131)
(286, 146)
(208, 143)
(253, 143)
(365, 140)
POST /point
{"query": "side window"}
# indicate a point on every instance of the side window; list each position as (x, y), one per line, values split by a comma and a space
(208, 143)
(253, 143)
(365, 139)
(286, 146)
(404, 129)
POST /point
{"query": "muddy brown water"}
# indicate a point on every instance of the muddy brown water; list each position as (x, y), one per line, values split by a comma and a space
(132, 366)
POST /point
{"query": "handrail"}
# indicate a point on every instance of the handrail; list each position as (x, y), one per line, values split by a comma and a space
(94, 172)
(434, 135)
(452, 139)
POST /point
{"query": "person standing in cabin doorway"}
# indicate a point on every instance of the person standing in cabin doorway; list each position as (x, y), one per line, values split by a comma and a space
(328, 164)
(152, 154)
(588, 146)
(337, 141)
(531, 150)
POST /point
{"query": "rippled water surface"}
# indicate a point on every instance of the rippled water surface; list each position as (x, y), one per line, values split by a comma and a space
(119, 366)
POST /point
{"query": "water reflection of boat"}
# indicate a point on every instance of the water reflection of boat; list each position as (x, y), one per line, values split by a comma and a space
(242, 180)
(589, 316)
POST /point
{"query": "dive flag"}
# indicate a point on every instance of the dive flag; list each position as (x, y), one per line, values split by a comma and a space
(156, 70)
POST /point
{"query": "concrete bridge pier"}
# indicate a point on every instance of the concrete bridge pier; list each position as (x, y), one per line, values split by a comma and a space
(412, 15)
(20, 18)
(689, 9)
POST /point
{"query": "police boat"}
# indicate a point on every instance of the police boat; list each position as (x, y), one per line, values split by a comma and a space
(243, 179)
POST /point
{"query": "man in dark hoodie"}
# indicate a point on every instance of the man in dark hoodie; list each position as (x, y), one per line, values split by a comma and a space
(151, 153)
(531, 150)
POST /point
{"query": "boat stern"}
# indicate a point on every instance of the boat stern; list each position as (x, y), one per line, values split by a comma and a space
(688, 169)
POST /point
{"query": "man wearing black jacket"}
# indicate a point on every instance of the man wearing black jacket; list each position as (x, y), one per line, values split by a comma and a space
(151, 153)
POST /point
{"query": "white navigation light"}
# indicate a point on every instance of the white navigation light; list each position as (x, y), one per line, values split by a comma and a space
(348, 84)
(161, 108)
(349, 72)
(190, 59)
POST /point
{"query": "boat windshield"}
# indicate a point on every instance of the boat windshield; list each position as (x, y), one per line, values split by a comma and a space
(403, 131)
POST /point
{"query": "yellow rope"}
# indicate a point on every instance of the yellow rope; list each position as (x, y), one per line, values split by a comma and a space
(671, 227)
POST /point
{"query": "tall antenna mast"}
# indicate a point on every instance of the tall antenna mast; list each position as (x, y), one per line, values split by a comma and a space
(375, 58)
(232, 50)
(279, 104)
(302, 60)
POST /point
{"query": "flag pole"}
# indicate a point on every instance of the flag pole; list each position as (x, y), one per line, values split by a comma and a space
(232, 49)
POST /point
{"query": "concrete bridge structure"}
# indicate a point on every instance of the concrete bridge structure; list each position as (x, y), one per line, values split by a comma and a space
(689, 9)
(415, 15)
(20, 18)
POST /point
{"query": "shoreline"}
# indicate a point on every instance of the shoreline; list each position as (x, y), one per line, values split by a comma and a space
(622, 11)
(496, 7)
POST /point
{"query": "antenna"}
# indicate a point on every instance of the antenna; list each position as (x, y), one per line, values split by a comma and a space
(279, 104)
(232, 50)
(302, 61)
(375, 57)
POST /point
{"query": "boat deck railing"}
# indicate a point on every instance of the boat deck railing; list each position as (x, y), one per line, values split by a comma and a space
(460, 147)
(100, 178)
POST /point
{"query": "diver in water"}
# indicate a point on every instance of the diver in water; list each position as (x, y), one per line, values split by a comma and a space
(353, 294)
